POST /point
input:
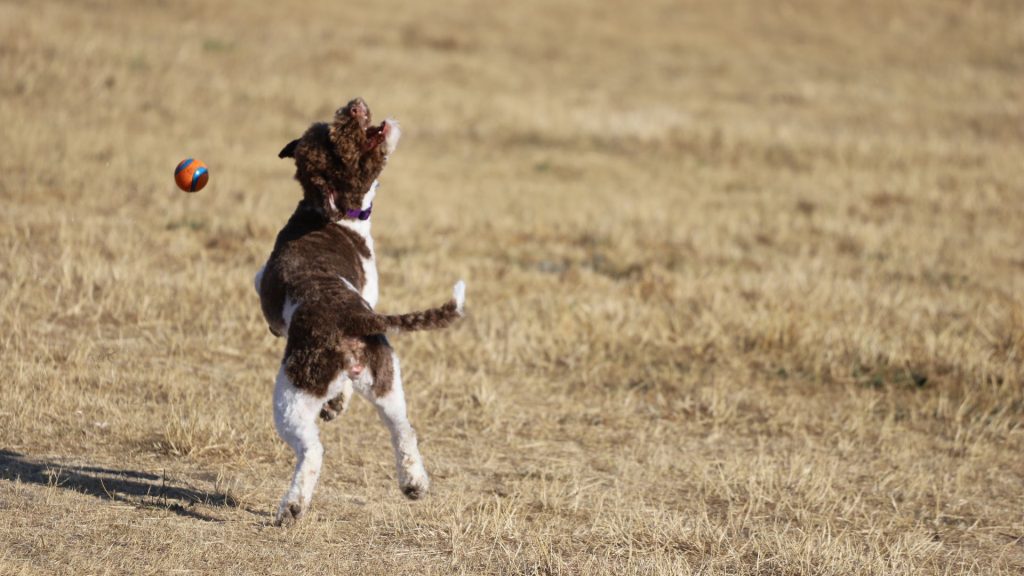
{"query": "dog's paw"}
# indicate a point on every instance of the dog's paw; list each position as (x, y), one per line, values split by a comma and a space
(288, 513)
(328, 413)
(416, 485)
(414, 491)
(334, 407)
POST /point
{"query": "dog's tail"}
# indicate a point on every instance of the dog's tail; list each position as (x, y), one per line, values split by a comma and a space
(432, 319)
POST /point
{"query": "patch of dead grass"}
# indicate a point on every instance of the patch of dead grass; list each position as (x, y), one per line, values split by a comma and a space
(743, 287)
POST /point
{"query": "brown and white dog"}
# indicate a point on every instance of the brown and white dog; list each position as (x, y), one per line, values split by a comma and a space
(319, 287)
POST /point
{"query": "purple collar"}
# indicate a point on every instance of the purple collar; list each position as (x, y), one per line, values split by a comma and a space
(360, 214)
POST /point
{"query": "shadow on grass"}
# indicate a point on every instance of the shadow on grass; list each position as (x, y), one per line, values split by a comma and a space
(140, 489)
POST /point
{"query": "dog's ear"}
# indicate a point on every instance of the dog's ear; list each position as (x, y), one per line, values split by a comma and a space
(289, 150)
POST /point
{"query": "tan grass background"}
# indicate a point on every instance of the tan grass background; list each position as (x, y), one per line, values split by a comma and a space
(745, 282)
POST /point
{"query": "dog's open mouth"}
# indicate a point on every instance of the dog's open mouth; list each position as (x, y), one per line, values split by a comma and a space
(376, 134)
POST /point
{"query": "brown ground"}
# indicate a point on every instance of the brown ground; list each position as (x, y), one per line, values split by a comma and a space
(746, 286)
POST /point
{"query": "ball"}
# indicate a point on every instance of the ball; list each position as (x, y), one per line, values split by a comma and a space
(191, 175)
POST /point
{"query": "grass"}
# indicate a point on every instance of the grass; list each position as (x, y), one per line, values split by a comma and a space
(745, 286)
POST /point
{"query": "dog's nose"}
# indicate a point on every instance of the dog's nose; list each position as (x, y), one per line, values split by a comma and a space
(358, 108)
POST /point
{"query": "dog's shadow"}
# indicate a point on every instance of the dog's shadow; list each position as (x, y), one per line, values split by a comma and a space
(139, 489)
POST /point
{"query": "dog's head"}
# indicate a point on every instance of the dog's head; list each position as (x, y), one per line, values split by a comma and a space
(337, 163)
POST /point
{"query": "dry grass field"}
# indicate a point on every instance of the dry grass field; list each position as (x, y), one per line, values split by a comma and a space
(746, 286)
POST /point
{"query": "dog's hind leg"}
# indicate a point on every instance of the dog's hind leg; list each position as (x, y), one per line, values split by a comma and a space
(295, 417)
(387, 395)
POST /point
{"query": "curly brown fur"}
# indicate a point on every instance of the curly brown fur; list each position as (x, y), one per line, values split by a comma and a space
(354, 357)
(308, 258)
(336, 163)
(378, 358)
(318, 264)
(308, 263)
(373, 353)
(320, 285)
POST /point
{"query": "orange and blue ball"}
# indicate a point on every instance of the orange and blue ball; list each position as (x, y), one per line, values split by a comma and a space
(191, 175)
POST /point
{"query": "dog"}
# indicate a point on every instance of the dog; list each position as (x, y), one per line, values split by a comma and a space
(319, 289)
